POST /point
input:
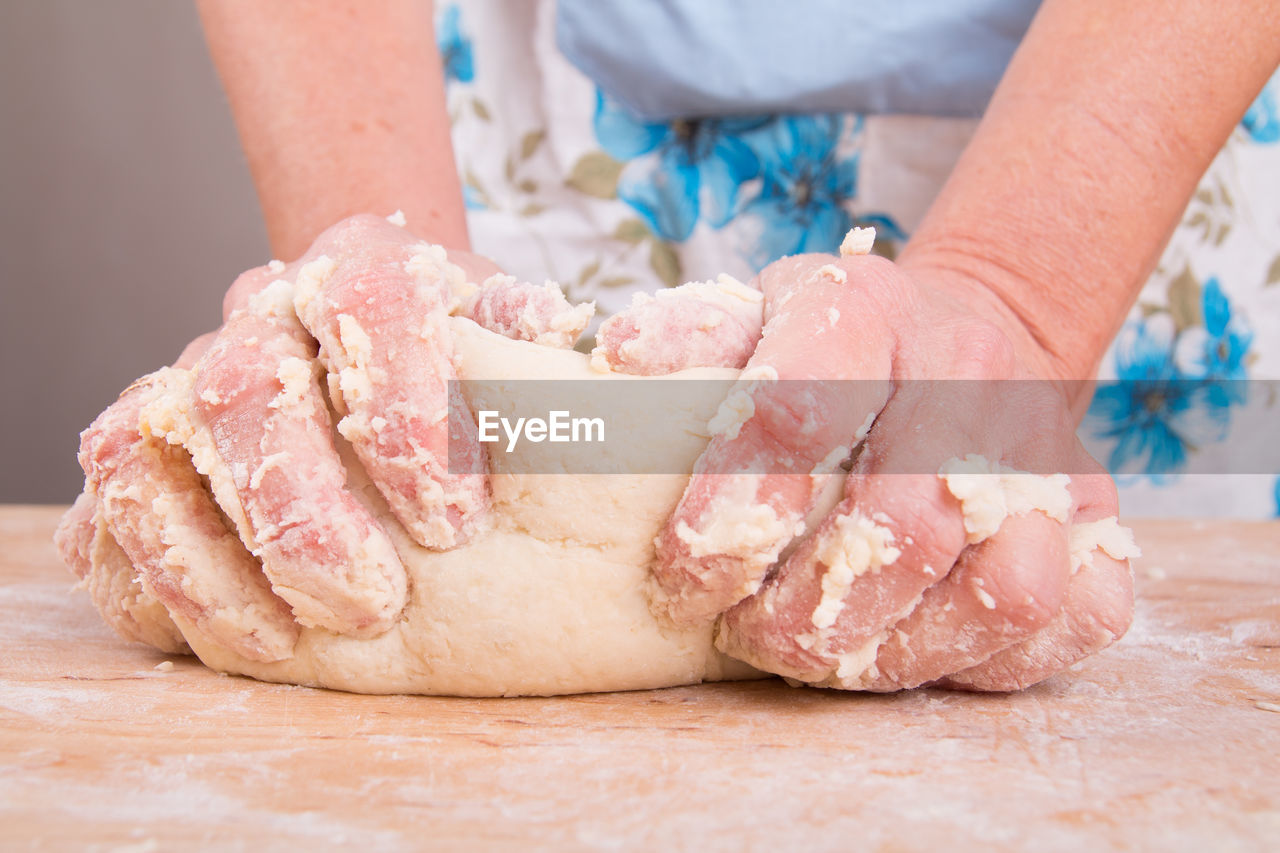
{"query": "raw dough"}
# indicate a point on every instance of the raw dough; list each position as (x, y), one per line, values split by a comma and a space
(553, 598)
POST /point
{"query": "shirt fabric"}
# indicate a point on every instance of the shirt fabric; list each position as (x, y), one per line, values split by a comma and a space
(664, 59)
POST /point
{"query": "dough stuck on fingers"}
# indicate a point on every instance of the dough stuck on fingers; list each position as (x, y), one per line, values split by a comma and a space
(105, 572)
(525, 312)
(255, 421)
(403, 577)
(1097, 612)
(377, 301)
(776, 443)
(153, 504)
(699, 324)
(550, 596)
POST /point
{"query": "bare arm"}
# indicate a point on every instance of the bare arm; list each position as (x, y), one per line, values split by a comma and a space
(341, 109)
(1094, 141)
(1024, 267)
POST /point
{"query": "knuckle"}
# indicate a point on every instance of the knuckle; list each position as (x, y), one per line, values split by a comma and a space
(980, 350)
(353, 228)
(245, 286)
(1105, 495)
(797, 416)
(922, 513)
(1025, 609)
(875, 265)
(1095, 495)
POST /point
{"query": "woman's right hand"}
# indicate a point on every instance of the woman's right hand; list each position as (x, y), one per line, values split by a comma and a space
(218, 481)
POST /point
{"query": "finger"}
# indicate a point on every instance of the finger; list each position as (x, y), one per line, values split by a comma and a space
(468, 268)
(253, 417)
(1000, 592)
(251, 283)
(823, 614)
(699, 324)
(108, 576)
(525, 312)
(1097, 612)
(154, 505)
(378, 304)
(727, 531)
(1099, 597)
(74, 535)
(478, 290)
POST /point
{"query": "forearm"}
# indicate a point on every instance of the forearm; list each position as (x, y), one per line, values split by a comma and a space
(1093, 143)
(341, 109)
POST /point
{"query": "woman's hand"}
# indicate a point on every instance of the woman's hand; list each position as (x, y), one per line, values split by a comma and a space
(218, 480)
(928, 569)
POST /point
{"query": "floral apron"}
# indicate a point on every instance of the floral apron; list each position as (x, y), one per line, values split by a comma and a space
(562, 183)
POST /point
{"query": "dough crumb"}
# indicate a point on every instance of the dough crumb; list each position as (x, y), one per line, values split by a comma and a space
(865, 429)
(294, 376)
(858, 242)
(852, 668)
(430, 264)
(599, 363)
(1106, 534)
(854, 546)
(274, 300)
(833, 272)
(398, 218)
(311, 278)
(735, 411)
(990, 492)
(830, 463)
(164, 666)
(759, 373)
(738, 525)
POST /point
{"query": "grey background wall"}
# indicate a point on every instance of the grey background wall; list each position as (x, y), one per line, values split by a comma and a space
(125, 211)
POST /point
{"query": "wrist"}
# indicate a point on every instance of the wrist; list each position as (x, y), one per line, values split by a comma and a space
(1054, 338)
(965, 285)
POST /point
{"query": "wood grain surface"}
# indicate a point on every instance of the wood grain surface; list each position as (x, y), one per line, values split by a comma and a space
(1169, 740)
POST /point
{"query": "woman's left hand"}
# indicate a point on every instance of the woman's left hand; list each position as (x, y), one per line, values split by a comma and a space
(937, 565)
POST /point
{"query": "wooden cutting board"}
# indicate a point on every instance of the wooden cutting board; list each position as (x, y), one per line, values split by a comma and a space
(1169, 740)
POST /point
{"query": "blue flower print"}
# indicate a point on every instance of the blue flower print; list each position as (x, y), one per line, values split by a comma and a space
(806, 184)
(1228, 339)
(472, 199)
(455, 47)
(1276, 495)
(1153, 413)
(1262, 121)
(678, 171)
(1217, 351)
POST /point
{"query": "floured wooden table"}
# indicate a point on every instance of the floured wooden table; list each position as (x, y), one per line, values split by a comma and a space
(1169, 740)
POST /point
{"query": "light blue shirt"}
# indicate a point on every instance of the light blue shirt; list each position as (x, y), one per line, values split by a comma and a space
(669, 58)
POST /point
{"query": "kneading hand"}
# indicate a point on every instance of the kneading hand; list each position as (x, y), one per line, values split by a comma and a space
(215, 489)
(941, 563)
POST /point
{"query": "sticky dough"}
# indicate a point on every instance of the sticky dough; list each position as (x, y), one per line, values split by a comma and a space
(553, 597)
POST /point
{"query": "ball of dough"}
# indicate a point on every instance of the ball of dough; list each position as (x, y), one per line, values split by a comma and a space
(553, 597)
